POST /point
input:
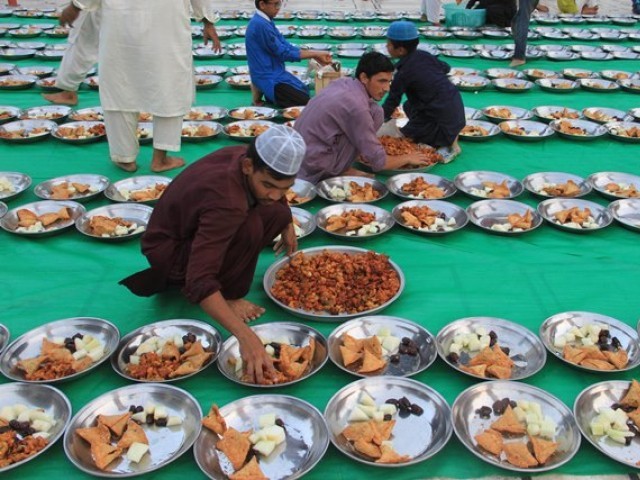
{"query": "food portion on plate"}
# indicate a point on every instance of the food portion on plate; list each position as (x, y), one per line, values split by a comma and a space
(198, 130)
(352, 191)
(621, 421)
(418, 187)
(69, 190)
(336, 282)
(622, 190)
(371, 355)
(24, 431)
(520, 433)
(480, 354)
(294, 199)
(492, 190)
(151, 192)
(25, 131)
(516, 223)
(247, 130)
(353, 222)
(592, 346)
(60, 357)
(291, 362)
(404, 146)
(569, 128)
(80, 132)
(31, 222)
(426, 219)
(113, 435)
(576, 217)
(630, 131)
(109, 227)
(567, 189)
(162, 358)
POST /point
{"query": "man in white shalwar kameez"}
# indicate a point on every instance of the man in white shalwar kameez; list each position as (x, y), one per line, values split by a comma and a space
(430, 10)
(146, 65)
(81, 55)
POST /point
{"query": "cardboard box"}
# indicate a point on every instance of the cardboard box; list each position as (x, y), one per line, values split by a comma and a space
(325, 78)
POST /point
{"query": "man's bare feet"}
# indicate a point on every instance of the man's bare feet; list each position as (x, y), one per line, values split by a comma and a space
(246, 310)
(517, 62)
(62, 98)
(127, 167)
(161, 162)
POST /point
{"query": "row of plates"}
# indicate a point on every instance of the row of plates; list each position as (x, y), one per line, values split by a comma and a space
(526, 349)
(308, 431)
(476, 83)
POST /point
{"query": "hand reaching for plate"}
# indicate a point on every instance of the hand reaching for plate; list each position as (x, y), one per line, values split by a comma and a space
(209, 33)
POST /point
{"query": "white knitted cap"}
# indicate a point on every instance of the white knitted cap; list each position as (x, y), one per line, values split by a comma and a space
(282, 148)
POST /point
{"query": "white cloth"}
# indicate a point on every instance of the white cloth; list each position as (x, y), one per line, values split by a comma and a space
(82, 53)
(121, 132)
(145, 54)
(431, 8)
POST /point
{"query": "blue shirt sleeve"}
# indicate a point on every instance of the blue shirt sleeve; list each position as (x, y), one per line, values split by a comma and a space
(273, 41)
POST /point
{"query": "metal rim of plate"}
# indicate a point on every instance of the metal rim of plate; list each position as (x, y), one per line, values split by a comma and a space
(132, 212)
(630, 85)
(325, 185)
(472, 113)
(213, 81)
(627, 335)
(78, 141)
(230, 348)
(3, 210)
(141, 181)
(269, 280)
(245, 124)
(611, 74)
(12, 111)
(620, 115)
(181, 327)
(369, 325)
(67, 327)
(585, 408)
(239, 81)
(579, 73)
(621, 204)
(470, 83)
(504, 74)
(540, 112)
(519, 113)
(95, 110)
(517, 337)
(607, 86)
(219, 70)
(548, 74)
(463, 411)
(596, 209)
(432, 402)
(597, 130)
(5, 336)
(515, 186)
(383, 217)
(217, 128)
(47, 398)
(558, 177)
(118, 401)
(28, 125)
(243, 414)
(511, 206)
(20, 181)
(30, 81)
(395, 182)
(501, 84)
(453, 210)
(42, 190)
(265, 113)
(529, 125)
(9, 222)
(286, 112)
(610, 177)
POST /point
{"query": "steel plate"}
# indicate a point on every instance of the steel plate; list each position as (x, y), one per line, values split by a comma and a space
(487, 213)
(549, 207)
(324, 187)
(382, 216)
(132, 212)
(536, 181)
(627, 212)
(9, 222)
(98, 182)
(19, 181)
(465, 181)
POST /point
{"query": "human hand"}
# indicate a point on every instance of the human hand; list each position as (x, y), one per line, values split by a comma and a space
(209, 33)
(324, 58)
(258, 365)
(288, 242)
(69, 15)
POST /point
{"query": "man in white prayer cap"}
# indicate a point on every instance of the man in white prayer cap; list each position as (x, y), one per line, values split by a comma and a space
(207, 230)
(146, 65)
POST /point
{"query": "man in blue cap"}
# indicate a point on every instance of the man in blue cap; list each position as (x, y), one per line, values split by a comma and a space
(434, 105)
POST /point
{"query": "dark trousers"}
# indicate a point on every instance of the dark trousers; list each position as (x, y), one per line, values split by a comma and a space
(289, 96)
(520, 26)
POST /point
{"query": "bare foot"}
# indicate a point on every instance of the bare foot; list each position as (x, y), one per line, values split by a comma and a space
(246, 310)
(62, 98)
(127, 167)
(517, 62)
(167, 163)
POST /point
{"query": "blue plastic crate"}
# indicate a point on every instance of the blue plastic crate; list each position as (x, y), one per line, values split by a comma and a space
(459, 16)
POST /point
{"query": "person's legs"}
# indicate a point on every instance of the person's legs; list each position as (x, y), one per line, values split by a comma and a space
(123, 143)
(520, 30)
(433, 11)
(288, 96)
(81, 55)
(167, 133)
(423, 10)
(264, 223)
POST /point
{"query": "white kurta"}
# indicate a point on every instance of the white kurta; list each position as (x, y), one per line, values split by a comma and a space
(431, 8)
(145, 54)
(82, 53)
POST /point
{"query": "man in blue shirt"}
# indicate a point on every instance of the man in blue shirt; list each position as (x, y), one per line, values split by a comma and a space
(267, 50)
(434, 105)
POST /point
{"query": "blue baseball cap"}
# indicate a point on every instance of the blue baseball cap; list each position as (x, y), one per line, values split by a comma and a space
(402, 30)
